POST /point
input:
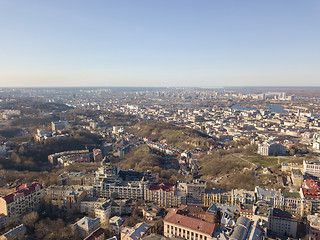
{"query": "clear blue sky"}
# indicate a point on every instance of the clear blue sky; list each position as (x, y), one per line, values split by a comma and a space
(205, 43)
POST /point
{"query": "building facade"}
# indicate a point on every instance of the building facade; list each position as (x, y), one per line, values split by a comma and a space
(26, 199)
(176, 224)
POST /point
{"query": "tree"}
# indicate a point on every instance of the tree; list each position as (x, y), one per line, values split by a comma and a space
(30, 220)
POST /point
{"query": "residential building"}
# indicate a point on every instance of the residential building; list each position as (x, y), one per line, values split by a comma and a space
(242, 196)
(316, 142)
(116, 224)
(71, 155)
(266, 195)
(26, 199)
(71, 178)
(282, 222)
(98, 234)
(195, 191)
(66, 199)
(310, 193)
(165, 195)
(85, 226)
(313, 226)
(297, 177)
(311, 168)
(217, 196)
(134, 233)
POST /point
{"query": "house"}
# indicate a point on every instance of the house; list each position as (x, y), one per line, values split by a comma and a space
(85, 226)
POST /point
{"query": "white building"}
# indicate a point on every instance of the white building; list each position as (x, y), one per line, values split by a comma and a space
(311, 167)
(267, 149)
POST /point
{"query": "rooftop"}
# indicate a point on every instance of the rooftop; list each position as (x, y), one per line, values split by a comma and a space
(311, 189)
(175, 217)
(26, 190)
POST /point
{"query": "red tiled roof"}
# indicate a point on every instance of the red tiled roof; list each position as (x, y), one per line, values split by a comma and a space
(311, 189)
(188, 222)
(161, 186)
(26, 191)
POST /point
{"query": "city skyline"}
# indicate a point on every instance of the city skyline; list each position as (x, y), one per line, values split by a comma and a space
(207, 44)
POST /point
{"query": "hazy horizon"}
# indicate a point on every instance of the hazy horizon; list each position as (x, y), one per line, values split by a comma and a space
(206, 44)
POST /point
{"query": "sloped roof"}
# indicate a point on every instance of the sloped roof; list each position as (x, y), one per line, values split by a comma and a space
(140, 230)
(175, 217)
(311, 189)
(26, 191)
(86, 222)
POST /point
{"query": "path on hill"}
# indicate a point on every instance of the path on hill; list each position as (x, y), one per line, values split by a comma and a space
(238, 156)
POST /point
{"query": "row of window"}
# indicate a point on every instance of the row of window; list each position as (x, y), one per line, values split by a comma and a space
(179, 232)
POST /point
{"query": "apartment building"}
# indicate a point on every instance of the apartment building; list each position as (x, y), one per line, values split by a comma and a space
(221, 197)
(165, 196)
(311, 167)
(131, 190)
(195, 191)
(26, 199)
(313, 226)
(65, 198)
(282, 222)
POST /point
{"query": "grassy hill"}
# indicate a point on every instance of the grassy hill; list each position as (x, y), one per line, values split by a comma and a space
(181, 137)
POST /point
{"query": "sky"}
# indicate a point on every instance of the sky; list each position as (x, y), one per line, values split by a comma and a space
(159, 43)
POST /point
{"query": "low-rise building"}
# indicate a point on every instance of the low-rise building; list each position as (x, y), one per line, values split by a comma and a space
(134, 233)
(116, 224)
(85, 226)
(178, 224)
(98, 234)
